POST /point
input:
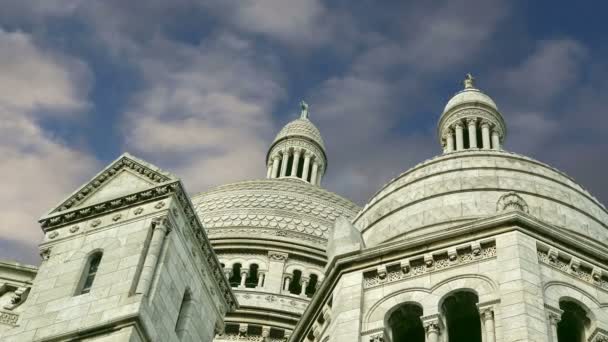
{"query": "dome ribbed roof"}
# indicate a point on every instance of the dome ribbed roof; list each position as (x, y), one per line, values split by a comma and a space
(301, 127)
(469, 95)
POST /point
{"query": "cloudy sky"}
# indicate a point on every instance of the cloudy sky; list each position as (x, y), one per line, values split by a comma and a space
(200, 88)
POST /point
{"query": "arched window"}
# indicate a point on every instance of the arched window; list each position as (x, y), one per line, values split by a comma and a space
(235, 278)
(89, 273)
(185, 310)
(295, 287)
(462, 317)
(312, 285)
(405, 324)
(252, 277)
(289, 164)
(300, 166)
(571, 328)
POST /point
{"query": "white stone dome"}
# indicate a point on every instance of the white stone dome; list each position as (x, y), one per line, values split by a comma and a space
(469, 95)
(285, 210)
(301, 127)
(457, 188)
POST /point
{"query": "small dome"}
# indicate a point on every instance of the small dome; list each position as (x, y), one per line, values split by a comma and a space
(469, 95)
(301, 127)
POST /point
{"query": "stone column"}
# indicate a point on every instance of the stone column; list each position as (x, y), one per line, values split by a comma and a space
(294, 165)
(495, 140)
(261, 279)
(304, 284)
(269, 172)
(265, 333)
(315, 171)
(432, 331)
(472, 124)
(275, 166)
(459, 136)
(487, 317)
(160, 228)
(450, 140)
(227, 272)
(284, 163)
(485, 134)
(244, 272)
(287, 282)
(307, 157)
(553, 318)
(319, 176)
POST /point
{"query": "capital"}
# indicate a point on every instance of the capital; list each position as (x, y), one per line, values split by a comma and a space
(457, 125)
(472, 121)
(432, 327)
(487, 314)
(485, 124)
(163, 224)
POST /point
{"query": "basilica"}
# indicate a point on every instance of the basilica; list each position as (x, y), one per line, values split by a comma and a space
(477, 244)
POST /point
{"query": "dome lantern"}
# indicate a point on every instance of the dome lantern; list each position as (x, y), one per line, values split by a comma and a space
(471, 121)
(298, 151)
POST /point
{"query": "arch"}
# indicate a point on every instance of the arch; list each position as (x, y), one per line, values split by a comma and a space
(403, 322)
(460, 315)
(89, 272)
(574, 324)
(109, 244)
(375, 317)
(295, 287)
(252, 276)
(235, 277)
(482, 286)
(556, 291)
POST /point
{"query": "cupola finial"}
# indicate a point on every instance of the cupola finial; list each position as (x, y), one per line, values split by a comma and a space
(469, 81)
(304, 110)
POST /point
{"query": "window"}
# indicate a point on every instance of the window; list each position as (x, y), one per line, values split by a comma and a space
(462, 317)
(295, 287)
(571, 328)
(252, 277)
(405, 324)
(300, 167)
(312, 285)
(235, 279)
(185, 310)
(90, 272)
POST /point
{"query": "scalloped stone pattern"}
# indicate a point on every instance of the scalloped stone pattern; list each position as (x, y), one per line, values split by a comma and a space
(301, 127)
(271, 207)
(458, 187)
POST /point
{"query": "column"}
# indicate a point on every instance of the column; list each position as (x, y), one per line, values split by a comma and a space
(487, 316)
(160, 228)
(495, 140)
(319, 176)
(294, 165)
(472, 124)
(287, 282)
(275, 166)
(227, 272)
(485, 134)
(284, 163)
(244, 272)
(432, 331)
(269, 172)
(261, 279)
(553, 319)
(450, 140)
(459, 136)
(307, 157)
(304, 286)
(315, 171)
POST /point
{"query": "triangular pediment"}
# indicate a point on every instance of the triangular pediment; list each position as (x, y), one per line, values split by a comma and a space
(124, 176)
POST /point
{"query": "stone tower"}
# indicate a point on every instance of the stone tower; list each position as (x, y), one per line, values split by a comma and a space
(271, 234)
(477, 244)
(125, 258)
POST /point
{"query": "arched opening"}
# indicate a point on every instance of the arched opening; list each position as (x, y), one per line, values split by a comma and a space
(312, 285)
(405, 324)
(90, 271)
(309, 177)
(462, 317)
(571, 328)
(465, 137)
(295, 287)
(300, 167)
(185, 310)
(279, 165)
(235, 278)
(252, 277)
(289, 164)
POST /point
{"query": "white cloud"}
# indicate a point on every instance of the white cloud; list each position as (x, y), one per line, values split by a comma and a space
(37, 169)
(207, 112)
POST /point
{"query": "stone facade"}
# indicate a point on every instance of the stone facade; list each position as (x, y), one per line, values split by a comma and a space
(477, 244)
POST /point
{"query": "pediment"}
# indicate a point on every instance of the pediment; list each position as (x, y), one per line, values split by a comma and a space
(124, 176)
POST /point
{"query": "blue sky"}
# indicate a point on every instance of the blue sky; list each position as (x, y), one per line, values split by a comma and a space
(200, 88)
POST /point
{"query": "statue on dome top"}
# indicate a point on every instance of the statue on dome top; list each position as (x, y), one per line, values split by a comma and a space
(304, 111)
(469, 81)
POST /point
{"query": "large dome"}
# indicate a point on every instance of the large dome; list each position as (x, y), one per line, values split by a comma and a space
(283, 210)
(301, 127)
(459, 187)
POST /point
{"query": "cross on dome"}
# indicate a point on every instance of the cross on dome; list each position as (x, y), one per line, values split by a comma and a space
(469, 81)
(304, 111)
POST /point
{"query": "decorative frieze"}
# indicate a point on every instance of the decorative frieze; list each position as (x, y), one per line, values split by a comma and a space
(8, 318)
(427, 263)
(573, 266)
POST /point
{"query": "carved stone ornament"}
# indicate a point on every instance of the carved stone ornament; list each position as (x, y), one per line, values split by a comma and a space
(512, 201)
(45, 254)
(138, 211)
(95, 223)
(379, 337)
(431, 327)
(53, 234)
(116, 217)
(159, 205)
(277, 256)
(74, 229)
